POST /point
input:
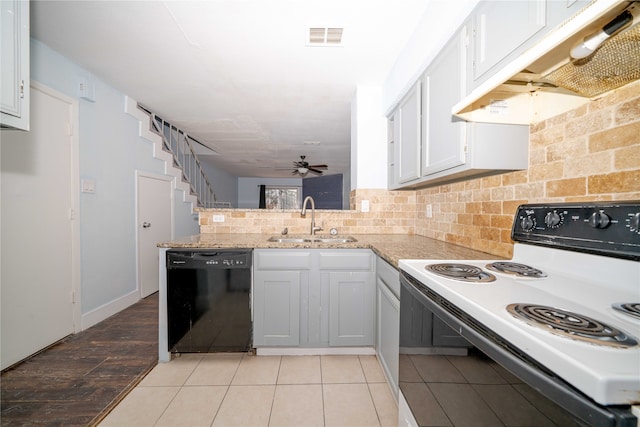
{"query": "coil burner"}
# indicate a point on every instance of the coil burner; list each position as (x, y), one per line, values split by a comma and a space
(572, 325)
(463, 272)
(630, 308)
(517, 269)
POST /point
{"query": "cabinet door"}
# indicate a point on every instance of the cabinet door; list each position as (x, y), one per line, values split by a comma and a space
(501, 27)
(14, 84)
(351, 308)
(445, 336)
(276, 308)
(443, 135)
(408, 139)
(416, 324)
(392, 130)
(388, 333)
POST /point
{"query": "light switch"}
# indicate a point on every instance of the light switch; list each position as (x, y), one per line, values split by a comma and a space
(87, 89)
(364, 206)
(218, 218)
(88, 185)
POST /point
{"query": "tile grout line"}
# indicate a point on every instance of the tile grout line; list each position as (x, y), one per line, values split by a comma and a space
(324, 406)
(178, 392)
(373, 401)
(275, 389)
(227, 390)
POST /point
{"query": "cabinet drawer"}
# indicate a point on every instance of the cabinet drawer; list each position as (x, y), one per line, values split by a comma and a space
(274, 259)
(346, 260)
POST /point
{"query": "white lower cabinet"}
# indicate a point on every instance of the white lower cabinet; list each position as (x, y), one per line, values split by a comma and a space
(313, 298)
(351, 308)
(388, 321)
(276, 308)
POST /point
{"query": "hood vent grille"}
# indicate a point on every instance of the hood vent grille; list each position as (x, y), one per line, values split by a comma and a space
(614, 64)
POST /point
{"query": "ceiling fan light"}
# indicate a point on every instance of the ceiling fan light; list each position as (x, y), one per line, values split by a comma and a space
(302, 171)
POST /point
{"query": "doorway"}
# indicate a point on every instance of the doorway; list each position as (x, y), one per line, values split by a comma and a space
(154, 225)
(39, 231)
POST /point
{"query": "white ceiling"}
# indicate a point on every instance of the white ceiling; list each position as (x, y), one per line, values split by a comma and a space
(237, 74)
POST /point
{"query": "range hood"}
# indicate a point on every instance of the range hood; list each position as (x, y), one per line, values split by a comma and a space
(545, 81)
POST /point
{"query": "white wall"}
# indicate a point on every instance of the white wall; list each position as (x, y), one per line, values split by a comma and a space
(368, 139)
(441, 19)
(110, 153)
(371, 105)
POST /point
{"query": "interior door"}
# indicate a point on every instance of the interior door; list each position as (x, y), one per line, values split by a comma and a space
(38, 234)
(155, 205)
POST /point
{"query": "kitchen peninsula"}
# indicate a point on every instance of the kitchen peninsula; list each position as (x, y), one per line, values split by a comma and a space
(307, 273)
(390, 247)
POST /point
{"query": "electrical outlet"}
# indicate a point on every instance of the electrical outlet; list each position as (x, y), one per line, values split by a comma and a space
(429, 211)
(218, 218)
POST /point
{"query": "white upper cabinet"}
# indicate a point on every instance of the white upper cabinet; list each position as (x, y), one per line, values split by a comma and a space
(501, 27)
(502, 30)
(407, 122)
(450, 149)
(443, 84)
(392, 176)
(14, 68)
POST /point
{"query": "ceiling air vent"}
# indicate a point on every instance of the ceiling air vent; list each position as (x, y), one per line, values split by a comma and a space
(325, 36)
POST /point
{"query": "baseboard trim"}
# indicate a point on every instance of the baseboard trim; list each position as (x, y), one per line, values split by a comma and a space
(314, 351)
(107, 310)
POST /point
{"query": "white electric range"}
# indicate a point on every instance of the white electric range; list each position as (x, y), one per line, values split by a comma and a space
(563, 314)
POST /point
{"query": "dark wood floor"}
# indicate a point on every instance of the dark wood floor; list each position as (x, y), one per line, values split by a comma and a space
(80, 379)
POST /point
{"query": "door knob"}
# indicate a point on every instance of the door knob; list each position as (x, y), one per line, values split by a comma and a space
(146, 224)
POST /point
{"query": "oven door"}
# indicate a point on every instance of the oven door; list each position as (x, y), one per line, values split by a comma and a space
(494, 385)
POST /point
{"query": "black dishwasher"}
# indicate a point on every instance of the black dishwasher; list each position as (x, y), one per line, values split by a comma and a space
(208, 300)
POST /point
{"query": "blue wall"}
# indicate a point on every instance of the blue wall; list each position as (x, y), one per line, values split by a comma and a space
(225, 185)
(110, 154)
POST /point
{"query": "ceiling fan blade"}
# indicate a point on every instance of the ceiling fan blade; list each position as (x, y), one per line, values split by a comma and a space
(302, 164)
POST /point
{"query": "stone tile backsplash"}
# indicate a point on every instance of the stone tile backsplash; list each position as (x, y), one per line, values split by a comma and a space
(391, 212)
(590, 153)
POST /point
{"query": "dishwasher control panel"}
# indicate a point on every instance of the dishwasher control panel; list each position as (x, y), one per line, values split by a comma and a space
(227, 259)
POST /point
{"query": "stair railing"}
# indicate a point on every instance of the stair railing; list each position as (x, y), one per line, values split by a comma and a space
(180, 145)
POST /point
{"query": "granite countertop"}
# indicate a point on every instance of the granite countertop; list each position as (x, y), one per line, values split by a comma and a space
(391, 247)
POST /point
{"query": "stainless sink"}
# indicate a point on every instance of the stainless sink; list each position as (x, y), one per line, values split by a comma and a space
(312, 239)
(335, 240)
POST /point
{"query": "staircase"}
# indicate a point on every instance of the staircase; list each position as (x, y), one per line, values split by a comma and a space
(180, 147)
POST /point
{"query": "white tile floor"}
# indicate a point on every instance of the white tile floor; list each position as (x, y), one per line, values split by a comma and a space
(242, 390)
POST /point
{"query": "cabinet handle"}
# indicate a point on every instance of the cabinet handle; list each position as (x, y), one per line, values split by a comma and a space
(21, 88)
(146, 224)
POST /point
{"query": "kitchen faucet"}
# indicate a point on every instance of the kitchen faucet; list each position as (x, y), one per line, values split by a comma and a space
(313, 214)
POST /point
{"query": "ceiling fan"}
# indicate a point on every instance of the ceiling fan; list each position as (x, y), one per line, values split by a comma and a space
(303, 167)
